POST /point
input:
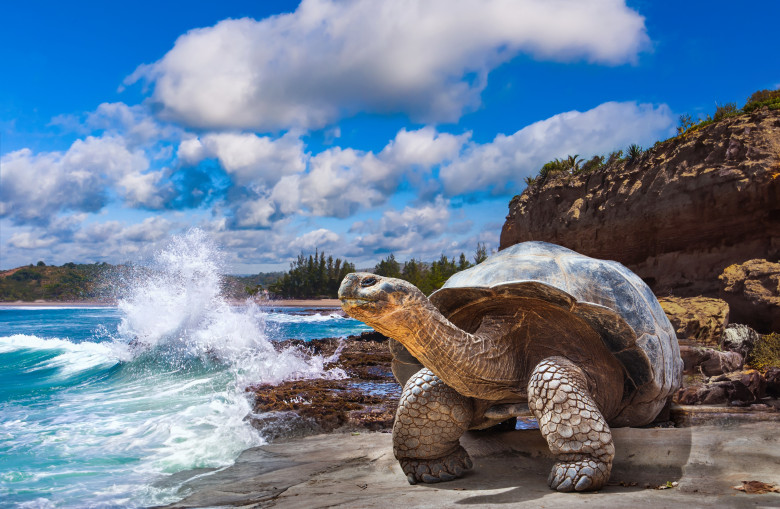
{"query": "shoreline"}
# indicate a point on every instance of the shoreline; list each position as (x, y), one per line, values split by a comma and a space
(697, 466)
(289, 303)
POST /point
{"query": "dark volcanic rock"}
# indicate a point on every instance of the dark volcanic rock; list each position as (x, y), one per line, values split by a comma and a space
(690, 207)
(366, 399)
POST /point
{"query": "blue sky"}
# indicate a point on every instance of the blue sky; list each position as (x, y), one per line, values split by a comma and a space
(360, 128)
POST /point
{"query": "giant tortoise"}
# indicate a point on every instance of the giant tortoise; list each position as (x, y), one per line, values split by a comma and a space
(582, 342)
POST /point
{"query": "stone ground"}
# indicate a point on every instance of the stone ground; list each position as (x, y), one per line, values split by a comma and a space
(510, 470)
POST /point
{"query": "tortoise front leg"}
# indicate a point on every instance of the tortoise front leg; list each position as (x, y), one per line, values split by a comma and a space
(575, 430)
(430, 419)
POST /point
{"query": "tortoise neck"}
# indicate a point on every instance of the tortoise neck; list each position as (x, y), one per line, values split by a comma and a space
(461, 359)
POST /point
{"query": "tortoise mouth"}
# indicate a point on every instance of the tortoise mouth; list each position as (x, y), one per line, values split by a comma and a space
(357, 301)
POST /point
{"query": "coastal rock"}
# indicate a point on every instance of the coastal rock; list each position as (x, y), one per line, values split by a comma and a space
(708, 361)
(698, 319)
(366, 399)
(687, 209)
(752, 290)
(739, 338)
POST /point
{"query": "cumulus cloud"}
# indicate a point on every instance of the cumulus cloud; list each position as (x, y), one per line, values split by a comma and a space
(248, 158)
(412, 230)
(336, 182)
(508, 158)
(135, 124)
(322, 239)
(35, 187)
(331, 59)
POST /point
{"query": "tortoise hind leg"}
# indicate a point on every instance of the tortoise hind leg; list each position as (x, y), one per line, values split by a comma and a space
(575, 430)
(430, 419)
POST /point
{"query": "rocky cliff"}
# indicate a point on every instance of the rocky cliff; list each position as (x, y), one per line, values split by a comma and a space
(678, 215)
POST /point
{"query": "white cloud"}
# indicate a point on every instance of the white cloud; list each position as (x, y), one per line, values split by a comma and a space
(322, 239)
(331, 59)
(336, 182)
(248, 158)
(151, 229)
(413, 230)
(28, 240)
(35, 187)
(135, 124)
(502, 163)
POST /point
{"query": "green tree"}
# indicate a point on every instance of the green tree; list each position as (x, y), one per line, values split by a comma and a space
(388, 267)
(481, 253)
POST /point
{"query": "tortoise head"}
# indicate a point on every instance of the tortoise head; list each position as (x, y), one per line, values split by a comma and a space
(378, 301)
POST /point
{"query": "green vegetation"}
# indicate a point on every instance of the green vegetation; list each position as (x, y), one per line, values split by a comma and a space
(573, 165)
(766, 352)
(68, 282)
(312, 277)
(761, 98)
(633, 153)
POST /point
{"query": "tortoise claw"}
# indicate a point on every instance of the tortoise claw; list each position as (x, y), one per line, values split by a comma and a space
(446, 468)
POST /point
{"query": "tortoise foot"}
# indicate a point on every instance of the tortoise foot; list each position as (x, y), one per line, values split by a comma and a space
(446, 468)
(582, 474)
(571, 422)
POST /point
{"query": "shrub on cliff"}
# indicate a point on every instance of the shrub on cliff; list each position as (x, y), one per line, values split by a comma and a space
(761, 98)
(634, 152)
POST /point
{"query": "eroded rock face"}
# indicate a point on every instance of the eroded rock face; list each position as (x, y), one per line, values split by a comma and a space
(689, 208)
(752, 290)
(697, 319)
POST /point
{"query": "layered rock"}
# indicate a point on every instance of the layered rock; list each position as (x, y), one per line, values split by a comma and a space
(687, 209)
(752, 290)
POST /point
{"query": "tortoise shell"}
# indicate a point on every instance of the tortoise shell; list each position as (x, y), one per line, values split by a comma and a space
(610, 298)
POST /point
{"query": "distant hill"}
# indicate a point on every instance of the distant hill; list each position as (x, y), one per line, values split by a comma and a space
(97, 282)
(48, 282)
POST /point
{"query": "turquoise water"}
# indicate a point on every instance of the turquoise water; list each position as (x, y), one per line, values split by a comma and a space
(99, 406)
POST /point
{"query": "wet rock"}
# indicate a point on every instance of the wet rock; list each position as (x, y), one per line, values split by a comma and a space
(698, 319)
(752, 290)
(708, 361)
(366, 399)
(739, 338)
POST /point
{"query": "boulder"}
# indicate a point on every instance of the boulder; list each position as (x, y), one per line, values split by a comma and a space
(735, 389)
(752, 290)
(708, 361)
(772, 378)
(739, 338)
(698, 319)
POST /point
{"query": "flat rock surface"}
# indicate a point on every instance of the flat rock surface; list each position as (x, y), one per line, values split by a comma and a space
(510, 470)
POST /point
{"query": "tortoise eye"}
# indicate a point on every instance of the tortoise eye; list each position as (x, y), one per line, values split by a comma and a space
(369, 281)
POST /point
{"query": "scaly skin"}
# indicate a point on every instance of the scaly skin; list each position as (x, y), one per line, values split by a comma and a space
(575, 430)
(430, 419)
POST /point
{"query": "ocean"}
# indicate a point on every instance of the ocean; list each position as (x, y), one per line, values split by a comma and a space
(101, 406)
